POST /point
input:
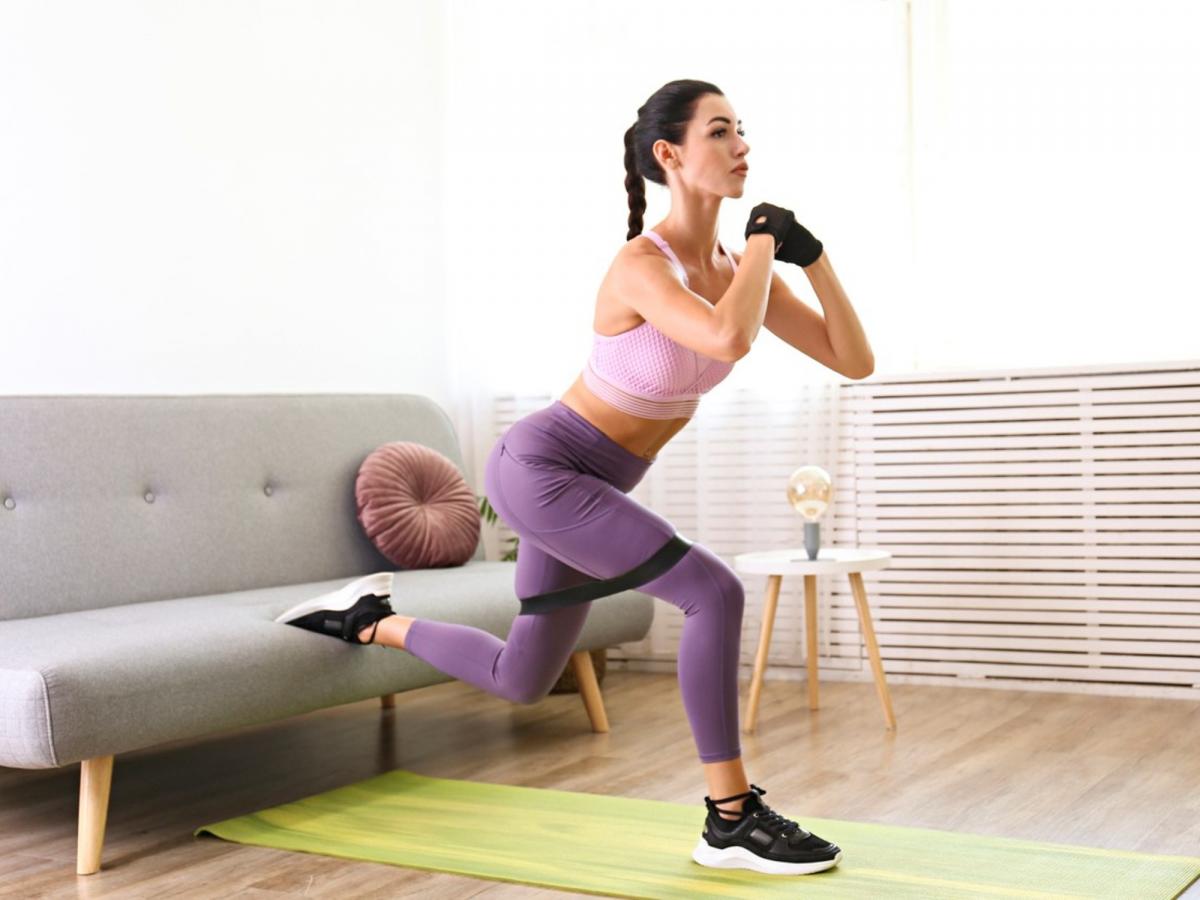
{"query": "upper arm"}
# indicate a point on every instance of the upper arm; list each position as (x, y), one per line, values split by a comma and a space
(795, 322)
(648, 283)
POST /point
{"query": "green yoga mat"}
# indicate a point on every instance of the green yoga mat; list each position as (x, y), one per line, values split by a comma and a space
(621, 847)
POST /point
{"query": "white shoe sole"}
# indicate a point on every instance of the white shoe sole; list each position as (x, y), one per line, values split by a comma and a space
(379, 583)
(741, 858)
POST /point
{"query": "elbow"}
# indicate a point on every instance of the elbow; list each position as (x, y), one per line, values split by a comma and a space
(861, 372)
(733, 346)
(735, 349)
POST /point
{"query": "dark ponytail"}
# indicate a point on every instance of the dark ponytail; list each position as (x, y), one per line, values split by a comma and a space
(665, 116)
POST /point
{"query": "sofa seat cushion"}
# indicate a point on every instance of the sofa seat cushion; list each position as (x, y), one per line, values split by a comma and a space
(78, 685)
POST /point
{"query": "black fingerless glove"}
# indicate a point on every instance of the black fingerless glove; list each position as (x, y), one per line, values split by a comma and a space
(776, 221)
(799, 246)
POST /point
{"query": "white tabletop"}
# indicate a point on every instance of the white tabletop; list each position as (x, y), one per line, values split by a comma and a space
(795, 561)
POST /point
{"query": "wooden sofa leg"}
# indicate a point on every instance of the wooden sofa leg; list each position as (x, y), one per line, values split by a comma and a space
(95, 780)
(589, 689)
(387, 701)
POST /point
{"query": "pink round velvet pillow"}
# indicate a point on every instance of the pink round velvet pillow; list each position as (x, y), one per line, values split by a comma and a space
(416, 507)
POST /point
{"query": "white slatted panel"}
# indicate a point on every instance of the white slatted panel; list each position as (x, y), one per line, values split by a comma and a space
(1043, 526)
(1043, 523)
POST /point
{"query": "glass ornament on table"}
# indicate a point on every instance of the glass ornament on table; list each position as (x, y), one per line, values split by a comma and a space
(810, 491)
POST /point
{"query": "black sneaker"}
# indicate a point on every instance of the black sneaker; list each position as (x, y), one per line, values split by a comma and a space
(761, 840)
(347, 611)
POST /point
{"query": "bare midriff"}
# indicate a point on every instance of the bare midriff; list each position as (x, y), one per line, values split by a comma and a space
(641, 436)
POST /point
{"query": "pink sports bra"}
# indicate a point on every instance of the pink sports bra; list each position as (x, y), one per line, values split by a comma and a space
(647, 374)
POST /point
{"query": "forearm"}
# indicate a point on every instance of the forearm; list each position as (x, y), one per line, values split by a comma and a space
(846, 335)
(743, 306)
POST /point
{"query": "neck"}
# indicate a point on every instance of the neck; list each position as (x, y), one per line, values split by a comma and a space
(693, 238)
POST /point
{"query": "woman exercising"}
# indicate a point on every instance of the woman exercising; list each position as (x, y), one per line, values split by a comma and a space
(560, 476)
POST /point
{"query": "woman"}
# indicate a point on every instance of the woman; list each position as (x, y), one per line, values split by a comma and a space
(673, 315)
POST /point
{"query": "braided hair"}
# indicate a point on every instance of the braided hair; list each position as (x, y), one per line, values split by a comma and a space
(665, 116)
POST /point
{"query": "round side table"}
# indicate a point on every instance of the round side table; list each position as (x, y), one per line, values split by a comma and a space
(830, 560)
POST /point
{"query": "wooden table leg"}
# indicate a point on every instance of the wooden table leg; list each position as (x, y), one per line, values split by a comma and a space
(868, 630)
(764, 645)
(810, 627)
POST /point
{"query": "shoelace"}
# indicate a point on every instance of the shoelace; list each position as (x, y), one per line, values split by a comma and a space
(783, 826)
(786, 827)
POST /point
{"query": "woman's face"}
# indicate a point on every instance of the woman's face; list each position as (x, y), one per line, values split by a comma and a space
(713, 147)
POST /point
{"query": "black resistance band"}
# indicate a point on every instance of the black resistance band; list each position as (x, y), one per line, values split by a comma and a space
(662, 560)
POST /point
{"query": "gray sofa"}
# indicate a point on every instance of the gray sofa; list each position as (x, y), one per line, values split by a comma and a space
(147, 543)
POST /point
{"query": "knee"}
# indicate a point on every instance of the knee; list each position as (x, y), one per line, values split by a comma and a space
(733, 592)
(533, 687)
(729, 591)
(527, 695)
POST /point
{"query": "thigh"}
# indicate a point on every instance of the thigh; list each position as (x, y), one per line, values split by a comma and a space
(538, 572)
(553, 634)
(581, 520)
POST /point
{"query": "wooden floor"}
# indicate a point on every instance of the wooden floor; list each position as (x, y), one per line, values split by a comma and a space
(1106, 772)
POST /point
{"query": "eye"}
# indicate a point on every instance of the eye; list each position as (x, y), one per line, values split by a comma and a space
(722, 131)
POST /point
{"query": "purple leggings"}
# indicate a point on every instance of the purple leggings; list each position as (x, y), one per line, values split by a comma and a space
(561, 483)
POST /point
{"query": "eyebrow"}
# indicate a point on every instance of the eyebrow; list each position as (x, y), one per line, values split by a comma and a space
(719, 119)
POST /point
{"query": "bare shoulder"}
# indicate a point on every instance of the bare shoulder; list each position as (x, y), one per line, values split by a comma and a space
(643, 283)
(634, 249)
(636, 256)
(640, 267)
(630, 264)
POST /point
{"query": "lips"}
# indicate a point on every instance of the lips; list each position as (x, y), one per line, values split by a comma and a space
(742, 169)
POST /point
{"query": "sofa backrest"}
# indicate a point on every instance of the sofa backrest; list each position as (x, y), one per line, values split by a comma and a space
(108, 499)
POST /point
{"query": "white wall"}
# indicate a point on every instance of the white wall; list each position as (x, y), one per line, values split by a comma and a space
(541, 95)
(997, 182)
(424, 196)
(221, 197)
(1056, 188)
(536, 156)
